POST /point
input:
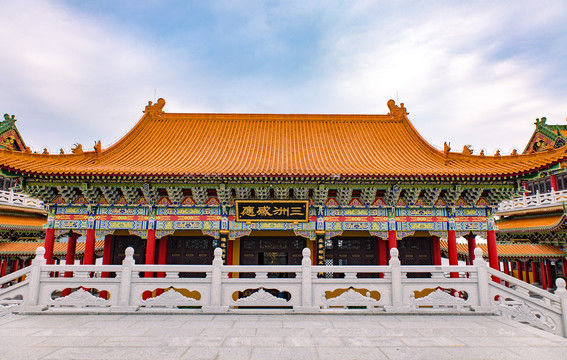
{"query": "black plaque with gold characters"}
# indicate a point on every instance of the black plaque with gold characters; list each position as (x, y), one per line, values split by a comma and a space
(258, 210)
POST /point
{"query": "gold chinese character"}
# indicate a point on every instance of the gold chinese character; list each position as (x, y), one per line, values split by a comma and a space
(248, 210)
(264, 211)
(281, 211)
(296, 210)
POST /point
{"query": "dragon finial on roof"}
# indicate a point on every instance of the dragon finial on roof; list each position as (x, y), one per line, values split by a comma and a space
(78, 149)
(98, 147)
(155, 109)
(467, 150)
(446, 148)
(395, 110)
(9, 119)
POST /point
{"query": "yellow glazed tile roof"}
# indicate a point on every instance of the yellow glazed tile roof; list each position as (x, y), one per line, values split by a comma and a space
(169, 144)
(513, 250)
(27, 248)
(547, 222)
(23, 222)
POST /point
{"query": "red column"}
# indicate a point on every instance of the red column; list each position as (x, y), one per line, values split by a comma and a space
(506, 268)
(70, 256)
(392, 241)
(3, 269)
(520, 273)
(534, 272)
(471, 241)
(382, 253)
(15, 265)
(162, 254)
(229, 253)
(106, 252)
(89, 248)
(564, 267)
(492, 252)
(527, 270)
(543, 275)
(436, 245)
(150, 250)
(49, 242)
(452, 248)
(506, 271)
(553, 182)
(550, 283)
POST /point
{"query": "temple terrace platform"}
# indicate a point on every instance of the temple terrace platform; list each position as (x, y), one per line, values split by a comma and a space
(243, 336)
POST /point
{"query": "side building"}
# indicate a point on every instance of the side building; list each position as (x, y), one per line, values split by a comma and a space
(21, 217)
(535, 219)
(264, 186)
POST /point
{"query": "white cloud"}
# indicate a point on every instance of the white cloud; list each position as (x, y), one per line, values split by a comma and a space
(71, 77)
(445, 71)
(83, 77)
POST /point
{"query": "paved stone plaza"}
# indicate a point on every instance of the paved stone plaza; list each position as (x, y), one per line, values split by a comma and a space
(273, 337)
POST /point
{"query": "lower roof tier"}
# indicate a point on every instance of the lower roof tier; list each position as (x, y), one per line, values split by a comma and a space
(513, 251)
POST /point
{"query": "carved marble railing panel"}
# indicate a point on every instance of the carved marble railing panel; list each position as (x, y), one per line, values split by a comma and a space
(18, 199)
(538, 200)
(172, 298)
(79, 298)
(531, 305)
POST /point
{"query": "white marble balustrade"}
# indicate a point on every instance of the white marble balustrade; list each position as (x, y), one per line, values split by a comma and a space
(13, 198)
(290, 288)
(534, 201)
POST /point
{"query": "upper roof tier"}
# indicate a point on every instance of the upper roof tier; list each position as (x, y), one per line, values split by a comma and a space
(294, 145)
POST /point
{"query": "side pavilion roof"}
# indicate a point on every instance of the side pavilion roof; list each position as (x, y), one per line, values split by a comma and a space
(279, 145)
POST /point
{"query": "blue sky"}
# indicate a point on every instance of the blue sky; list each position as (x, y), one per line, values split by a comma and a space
(469, 72)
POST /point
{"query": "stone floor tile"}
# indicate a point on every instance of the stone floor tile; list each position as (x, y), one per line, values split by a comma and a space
(539, 352)
(486, 353)
(334, 332)
(303, 341)
(423, 341)
(284, 353)
(122, 353)
(450, 331)
(7, 330)
(184, 331)
(495, 341)
(271, 341)
(196, 341)
(307, 324)
(71, 331)
(70, 341)
(416, 353)
(258, 324)
(220, 323)
(350, 353)
(229, 332)
(35, 352)
(234, 353)
(134, 341)
(372, 342)
(282, 332)
(201, 353)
